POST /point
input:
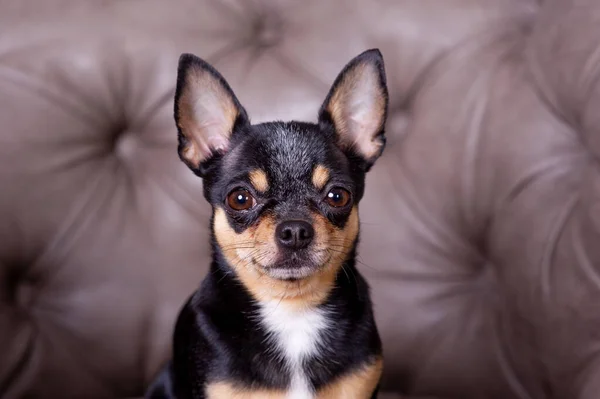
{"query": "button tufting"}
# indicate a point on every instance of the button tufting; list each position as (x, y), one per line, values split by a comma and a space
(266, 30)
(24, 293)
(8, 291)
(124, 145)
(20, 289)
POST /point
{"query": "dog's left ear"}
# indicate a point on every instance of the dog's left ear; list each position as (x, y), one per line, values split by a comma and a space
(356, 107)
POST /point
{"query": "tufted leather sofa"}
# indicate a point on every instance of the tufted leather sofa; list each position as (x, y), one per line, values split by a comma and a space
(480, 226)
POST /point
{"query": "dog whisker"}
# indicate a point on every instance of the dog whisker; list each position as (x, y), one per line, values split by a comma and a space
(345, 272)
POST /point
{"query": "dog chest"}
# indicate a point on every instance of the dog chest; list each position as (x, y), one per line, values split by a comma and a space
(296, 335)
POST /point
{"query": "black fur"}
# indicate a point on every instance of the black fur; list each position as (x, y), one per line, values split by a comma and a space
(218, 335)
(216, 338)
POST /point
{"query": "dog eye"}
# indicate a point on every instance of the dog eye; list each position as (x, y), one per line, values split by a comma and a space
(240, 200)
(337, 197)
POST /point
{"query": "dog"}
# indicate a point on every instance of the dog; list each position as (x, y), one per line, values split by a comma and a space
(284, 312)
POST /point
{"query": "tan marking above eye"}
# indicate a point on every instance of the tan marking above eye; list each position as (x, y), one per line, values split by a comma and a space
(259, 180)
(320, 176)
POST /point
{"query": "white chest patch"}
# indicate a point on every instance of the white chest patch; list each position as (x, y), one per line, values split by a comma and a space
(297, 334)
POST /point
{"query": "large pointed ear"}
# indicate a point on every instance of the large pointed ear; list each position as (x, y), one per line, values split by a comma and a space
(356, 107)
(206, 112)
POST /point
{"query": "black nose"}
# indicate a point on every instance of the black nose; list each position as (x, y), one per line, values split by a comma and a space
(294, 234)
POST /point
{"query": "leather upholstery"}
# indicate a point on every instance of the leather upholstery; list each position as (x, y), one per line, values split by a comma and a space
(480, 225)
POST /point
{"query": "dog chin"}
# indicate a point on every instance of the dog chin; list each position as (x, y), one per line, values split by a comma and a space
(291, 270)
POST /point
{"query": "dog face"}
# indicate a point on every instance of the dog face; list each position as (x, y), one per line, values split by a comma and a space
(284, 195)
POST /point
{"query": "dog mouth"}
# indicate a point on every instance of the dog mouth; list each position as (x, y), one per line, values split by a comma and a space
(295, 266)
(290, 273)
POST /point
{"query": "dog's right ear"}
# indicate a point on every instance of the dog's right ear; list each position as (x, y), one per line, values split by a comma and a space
(356, 107)
(206, 112)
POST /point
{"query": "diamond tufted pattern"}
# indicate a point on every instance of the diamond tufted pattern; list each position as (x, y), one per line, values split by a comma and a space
(480, 225)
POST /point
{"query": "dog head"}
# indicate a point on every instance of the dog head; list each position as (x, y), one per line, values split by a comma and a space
(284, 194)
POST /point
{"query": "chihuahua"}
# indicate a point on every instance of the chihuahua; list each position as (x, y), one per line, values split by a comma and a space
(283, 313)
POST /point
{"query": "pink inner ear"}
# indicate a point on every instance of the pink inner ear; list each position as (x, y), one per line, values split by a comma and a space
(214, 115)
(362, 112)
(217, 142)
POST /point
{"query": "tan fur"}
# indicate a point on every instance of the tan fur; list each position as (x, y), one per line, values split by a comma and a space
(259, 180)
(203, 92)
(225, 390)
(253, 250)
(358, 132)
(359, 384)
(320, 176)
